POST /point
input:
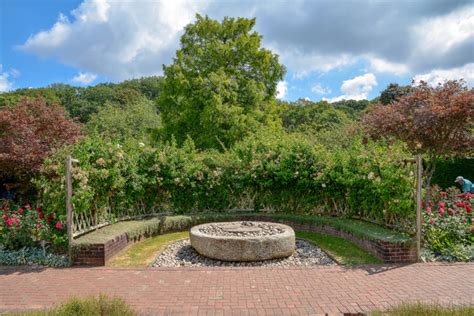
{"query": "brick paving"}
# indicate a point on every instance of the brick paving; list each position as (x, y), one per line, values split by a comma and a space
(332, 290)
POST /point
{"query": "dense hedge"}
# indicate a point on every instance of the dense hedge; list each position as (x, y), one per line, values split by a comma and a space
(448, 170)
(283, 173)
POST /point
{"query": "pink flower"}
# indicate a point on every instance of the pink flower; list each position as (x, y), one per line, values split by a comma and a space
(432, 221)
(468, 209)
(428, 209)
(443, 193)
(441, 204)
(20, 210)
(41, 215)
(441, 211)
(27, 206)
(472, 228)
(58, 225)
(451, 211)
(40, 225)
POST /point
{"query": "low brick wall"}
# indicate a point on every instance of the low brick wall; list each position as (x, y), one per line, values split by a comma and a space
(388, 252)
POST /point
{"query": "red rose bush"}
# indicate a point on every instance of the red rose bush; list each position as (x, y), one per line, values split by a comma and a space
(448, 231)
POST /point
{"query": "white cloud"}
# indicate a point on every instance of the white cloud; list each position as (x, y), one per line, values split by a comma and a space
(357, 88)
(84, 78)
(117, 39)
(5, 83)
(282, 89)
(441, 75)
(437, 35)
(125, 39)
(303, 64)
(383, 66)
(319, 89)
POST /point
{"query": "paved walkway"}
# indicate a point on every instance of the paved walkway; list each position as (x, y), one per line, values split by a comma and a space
(249, 291)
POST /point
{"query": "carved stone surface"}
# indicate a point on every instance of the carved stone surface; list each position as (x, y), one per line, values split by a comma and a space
(243, 241)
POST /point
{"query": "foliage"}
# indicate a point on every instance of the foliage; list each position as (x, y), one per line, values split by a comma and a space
(25, 227)
(81, 103)
(132, 120)
(419, 309)
(10, 99)
(149, 87)
(448, 230)
(143, 253)
(313, 116)
(29, 132)
(448, 169)
(343, 251)
(352, 108)
(279, 172)
(91, 306)
(393, 92)
(221, 86)
(32, 256)
(434, 121)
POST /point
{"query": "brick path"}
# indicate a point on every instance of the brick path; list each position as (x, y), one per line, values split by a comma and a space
(249, 291)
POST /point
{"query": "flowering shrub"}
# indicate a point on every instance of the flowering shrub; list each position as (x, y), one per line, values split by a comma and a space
(284, 173)
(26, 226)
(448, 230)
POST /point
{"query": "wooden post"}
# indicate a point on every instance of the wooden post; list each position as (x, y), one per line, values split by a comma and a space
(419, 173)
(68, 200)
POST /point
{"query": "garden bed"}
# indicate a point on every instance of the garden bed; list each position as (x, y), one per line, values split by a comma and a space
(98, 247)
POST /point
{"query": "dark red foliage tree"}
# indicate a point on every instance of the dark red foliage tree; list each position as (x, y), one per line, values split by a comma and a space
(433, 121)
(29, 132)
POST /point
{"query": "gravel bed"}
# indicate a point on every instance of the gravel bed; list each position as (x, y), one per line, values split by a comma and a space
(261, 229)
(182, 254)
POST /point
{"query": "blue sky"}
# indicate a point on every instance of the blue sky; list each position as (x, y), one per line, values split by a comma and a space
(342, 49)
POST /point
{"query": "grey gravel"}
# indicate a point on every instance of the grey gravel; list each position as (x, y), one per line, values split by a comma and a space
(182, 254)
(260, 229)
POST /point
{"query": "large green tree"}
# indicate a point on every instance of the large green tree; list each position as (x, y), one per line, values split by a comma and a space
(222, 84)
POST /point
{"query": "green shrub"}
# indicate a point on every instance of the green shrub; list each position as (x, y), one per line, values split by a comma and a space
(32, 256)
(447, 170)
(280, 172)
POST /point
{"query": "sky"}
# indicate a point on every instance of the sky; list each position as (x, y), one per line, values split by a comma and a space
(332, 49)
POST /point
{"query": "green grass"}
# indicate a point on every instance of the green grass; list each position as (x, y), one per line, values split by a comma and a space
(92, 306)
(343, 251)
(142, 253)
(426, 310)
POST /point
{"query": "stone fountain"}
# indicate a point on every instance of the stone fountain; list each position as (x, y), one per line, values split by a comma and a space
(243, 241)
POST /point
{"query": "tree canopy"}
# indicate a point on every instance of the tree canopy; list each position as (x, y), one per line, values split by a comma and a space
(434, 121)
(29, 132)
(222, 84)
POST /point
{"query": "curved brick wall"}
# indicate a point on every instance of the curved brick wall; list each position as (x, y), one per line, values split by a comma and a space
(388, 252)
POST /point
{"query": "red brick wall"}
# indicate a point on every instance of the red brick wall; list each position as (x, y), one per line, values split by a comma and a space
(388, 252)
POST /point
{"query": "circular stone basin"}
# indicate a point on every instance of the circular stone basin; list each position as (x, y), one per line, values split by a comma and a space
(243, 241)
